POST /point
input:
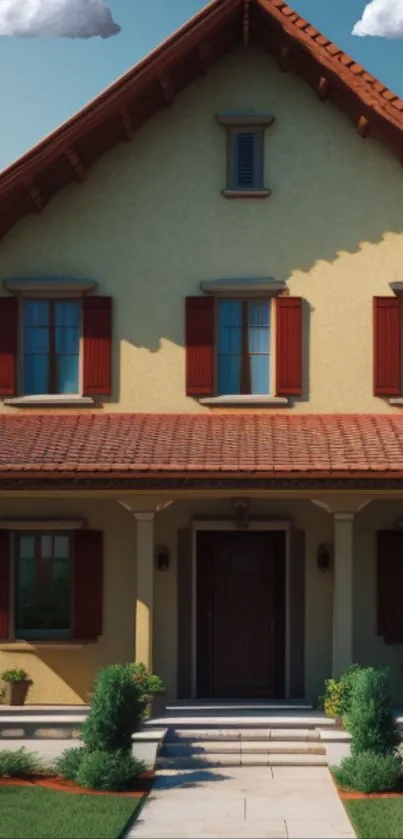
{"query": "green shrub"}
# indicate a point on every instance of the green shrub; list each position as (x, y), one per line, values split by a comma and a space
(371, 722)
(14, 676)
(19, 764)
(115, 771)
(116, 710)
(337, 696)
(369, 772)
(68, 764)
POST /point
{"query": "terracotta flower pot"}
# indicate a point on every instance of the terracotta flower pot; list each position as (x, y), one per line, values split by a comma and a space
(15, 693)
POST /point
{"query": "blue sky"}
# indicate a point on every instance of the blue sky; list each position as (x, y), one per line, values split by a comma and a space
(43, 82)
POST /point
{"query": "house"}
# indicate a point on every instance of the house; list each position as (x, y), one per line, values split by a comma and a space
(201, 440)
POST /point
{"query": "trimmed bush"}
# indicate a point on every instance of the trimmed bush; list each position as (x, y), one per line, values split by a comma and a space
(371, 721)
(19, 764)
(116, 710)
(338, 693)
(369, 772)
(68, 764)
(114, 771)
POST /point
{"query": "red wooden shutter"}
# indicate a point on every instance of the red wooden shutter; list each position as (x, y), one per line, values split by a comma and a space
(87, 584)
(97, 328)
(8, 345)
(200, 346)
(5, 564)
(390, 585)
(387, 346)
(289, 346)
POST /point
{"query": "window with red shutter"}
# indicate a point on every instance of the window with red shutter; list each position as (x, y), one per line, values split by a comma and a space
(8, 345)
(387, 346)
(289, 346)
(5, 583)
(97, 329)
(87, 584)
(390, 585)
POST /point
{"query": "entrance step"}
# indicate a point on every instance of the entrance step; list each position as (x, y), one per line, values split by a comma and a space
(241, 747)
(217, 760)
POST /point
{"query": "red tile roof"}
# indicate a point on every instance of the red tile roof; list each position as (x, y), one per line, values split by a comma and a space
(325, 445)
(65, 155)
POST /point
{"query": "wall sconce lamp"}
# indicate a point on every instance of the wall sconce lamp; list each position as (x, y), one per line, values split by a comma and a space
(162, 558)
(323, 558)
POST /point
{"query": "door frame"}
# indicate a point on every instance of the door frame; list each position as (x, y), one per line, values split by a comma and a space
(228, 525)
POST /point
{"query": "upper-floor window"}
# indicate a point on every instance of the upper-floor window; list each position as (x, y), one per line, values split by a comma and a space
(244, 341)
(55, 342)
(243, 348)
(245, 154)
(51, 346)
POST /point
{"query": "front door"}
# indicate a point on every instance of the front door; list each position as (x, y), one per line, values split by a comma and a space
(240, 614)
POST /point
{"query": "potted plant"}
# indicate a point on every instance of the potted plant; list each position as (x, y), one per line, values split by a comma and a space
(150, 686)
(16, 686)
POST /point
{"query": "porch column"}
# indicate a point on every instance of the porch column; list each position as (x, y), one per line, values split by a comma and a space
(145, 588)
(343, 592)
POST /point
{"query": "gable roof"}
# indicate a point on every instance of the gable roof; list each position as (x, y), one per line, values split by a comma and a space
(65, 155)
(189, 446)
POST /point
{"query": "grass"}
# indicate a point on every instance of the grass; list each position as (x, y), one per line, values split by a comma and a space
(374, 818)
(47, 814)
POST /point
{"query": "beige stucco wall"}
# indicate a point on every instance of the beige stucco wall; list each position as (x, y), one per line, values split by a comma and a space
(149, 223)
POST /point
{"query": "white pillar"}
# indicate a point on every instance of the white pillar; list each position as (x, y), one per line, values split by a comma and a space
(343, 592)
(145, 588)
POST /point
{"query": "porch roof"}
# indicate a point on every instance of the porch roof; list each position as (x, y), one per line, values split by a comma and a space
(185, 445)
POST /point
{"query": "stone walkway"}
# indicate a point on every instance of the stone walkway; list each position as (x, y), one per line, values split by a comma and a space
(227, 803)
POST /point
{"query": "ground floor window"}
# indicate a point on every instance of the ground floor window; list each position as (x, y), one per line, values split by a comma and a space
(43, 585)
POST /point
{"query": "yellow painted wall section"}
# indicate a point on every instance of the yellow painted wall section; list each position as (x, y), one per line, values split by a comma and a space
(149, 224)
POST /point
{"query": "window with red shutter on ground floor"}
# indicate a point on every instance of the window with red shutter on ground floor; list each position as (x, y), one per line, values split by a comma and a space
(51, 585)
(231, 351)
(55, 347)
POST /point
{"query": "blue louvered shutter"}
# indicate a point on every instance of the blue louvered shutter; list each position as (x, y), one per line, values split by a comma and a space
(248, 160)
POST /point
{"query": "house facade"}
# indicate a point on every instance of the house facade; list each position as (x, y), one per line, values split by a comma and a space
(201, 442)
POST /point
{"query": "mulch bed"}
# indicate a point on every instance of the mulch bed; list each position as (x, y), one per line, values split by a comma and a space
(351, 795)
(143, 785)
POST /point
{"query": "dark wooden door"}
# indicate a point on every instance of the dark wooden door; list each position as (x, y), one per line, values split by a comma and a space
(240, 614)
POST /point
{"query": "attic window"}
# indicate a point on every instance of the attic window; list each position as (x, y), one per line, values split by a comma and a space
(245, 154)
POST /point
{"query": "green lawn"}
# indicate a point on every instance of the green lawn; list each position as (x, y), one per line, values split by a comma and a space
(380, 818)
(45, 814)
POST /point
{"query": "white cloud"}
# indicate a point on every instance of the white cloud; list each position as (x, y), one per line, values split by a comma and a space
(383, 18)
(56, 19)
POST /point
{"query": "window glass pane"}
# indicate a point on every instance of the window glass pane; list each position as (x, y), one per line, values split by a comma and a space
(61, 547)
(27, 546)
(67, 374)
(229, 374)
(67, 340)
(259, 368)
(42, 586)
(230, 313)
(36, 340)
(36, 312)
(259, 327)
(36, 374)
(67, 313)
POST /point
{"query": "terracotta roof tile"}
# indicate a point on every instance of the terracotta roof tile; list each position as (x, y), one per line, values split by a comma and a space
(291, 444)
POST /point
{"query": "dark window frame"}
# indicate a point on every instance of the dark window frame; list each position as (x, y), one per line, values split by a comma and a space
(253, 125)
(35, 633)
(246, 374)
(52, 389)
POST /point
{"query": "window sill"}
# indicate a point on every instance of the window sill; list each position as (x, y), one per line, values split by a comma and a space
(243, 401)
(396, 400)
(50, 401)
(246, 193)
(31, 646)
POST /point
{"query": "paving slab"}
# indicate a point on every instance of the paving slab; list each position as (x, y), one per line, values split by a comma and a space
(246, 802)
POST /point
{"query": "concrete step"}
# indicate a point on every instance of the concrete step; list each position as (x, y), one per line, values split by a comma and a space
(302, 721)
(240, 747)
(217, 760)
(222, 734)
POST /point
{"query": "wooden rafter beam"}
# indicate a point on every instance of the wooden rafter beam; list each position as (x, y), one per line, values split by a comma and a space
(323, 88)
(77, 164)
(362, 126)
(168, 88)
(127, 124)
